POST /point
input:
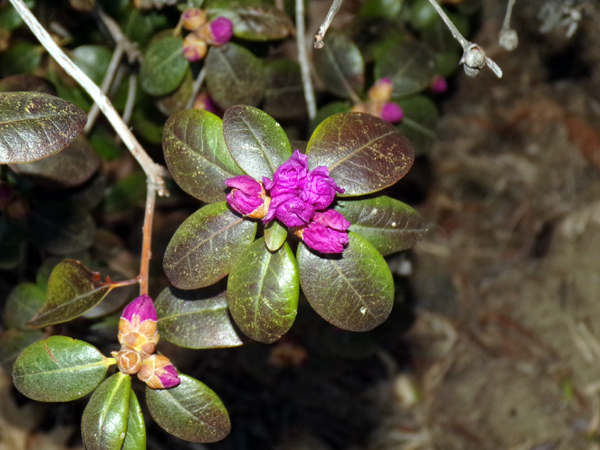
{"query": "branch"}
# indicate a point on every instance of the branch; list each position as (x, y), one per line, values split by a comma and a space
(147, 237)
(153, 171)
(335, 7)
(508, 38)
(309, 93)
(196, 88)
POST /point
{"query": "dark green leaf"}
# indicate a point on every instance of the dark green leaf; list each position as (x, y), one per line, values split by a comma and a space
(380, 8)
(191, 319)
(275, 235)
(206, 246)
(419, 123)
(136, 428)
(59, 369)
(388, 224)
(354, 291)
(197, 156)
(364, 153)
(340, 66)
(104, 420)
(11, 244)
(93, 60)
(31, 83)
(263, 290)
(128, 192)
(284, 97)
(72, 291)
(12, 344)
(35, 125)
(234, 76)
(257, 22)
(410, 66)
(21, 58)
(61, 227)
(140, 26)
(164, 66)
(178, 99)
(10, 18)
(190, 411)
(22, 304)
(257, 143)
(72, 167)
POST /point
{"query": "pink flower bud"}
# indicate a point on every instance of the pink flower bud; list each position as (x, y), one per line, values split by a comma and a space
(392, 113)
(194, 48)
(381, 91)
(248, 196)
(193, 18)
(439, 85)
(222, 30)
(158, 372)
(137, 326)
(319, 189)
(129, 361)
(290, 177)
(326, 233)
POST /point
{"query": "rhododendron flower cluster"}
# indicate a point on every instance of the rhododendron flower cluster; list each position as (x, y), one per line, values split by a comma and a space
(216, 32)
(138, 336)
(299, 198)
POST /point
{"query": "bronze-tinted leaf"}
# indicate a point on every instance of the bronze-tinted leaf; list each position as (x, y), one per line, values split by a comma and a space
(284, 96)
(364, 153)
(35, 125)
(164, 66)
(16, 83)
(254, 22)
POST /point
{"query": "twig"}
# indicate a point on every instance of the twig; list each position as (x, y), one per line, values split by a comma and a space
(474, 57)
(153, 171)
(196, 88)
(131, 48)
(309, 93)
(335, 7)
(147, 239)
(508, 38)
(130, 98)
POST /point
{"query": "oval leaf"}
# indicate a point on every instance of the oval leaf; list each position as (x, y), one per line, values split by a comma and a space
(22, 304)
(72, 291)
(93, 60)
(410, 66)
(364, 153)
(164, 66)
(263, 290)
(197, 156)
(190, 411)
(34, 125)
(104, 420)
(354, 291)
(256, 22)
(256, 141)
(12, 344)
(206, 246)
(59, 369)
(340, 66)
(419, 123)
(234, 76)
(191, 319)
(284, 97)
(136, 428)
(388, 224)
(275, 235)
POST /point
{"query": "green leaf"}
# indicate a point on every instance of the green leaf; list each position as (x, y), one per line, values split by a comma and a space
(72, 291)
(93, 60)
(364, 153)
(59, 369)
(340, 66)
(12, 344)
(256, 22)
(22, 304)
(178, 99)
(197, 156)
(21, 58)
(353, 291)
(328, 110)
(136, 428)
(164, 66)
(263, 290)
(419, 123)
(275, 235)
(284, 96)
(388, 224)
(104, 420)
(10, 19)
(206, 246)
(257, 143)
(35, 125)
(234, 76)
(190, 411)
(194, 319)
(410, 66)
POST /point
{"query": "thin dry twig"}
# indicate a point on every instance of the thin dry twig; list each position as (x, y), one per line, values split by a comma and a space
(154, 172)
(309, 93)
(508, 38)
(196, 88)
(335, 7)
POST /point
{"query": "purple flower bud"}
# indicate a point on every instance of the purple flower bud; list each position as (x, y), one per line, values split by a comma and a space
(247, 196)
(319, 189)
(293, 212)
(439, 85)
(381, 91)
(289, 178)
(392, 113)
(158, 372)
(142, 308)
(327, 232)
(222, 30)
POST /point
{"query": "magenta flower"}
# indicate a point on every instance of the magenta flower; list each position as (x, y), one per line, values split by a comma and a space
(289, 178)
(326, 233)
(247, 197)
(291, 210)
(319, 189)
(392, 113)
(139, 310)
(222, 30)
(439, 85)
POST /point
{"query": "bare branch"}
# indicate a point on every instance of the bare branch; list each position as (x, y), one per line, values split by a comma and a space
(335, 7)
(309, 93)
(196, 88)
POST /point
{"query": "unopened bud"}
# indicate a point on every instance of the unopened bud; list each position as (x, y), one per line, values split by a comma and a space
(137, 326)
(381, 91)
(194, 47)
(129, 361)
(193, 18)
(158, 372)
